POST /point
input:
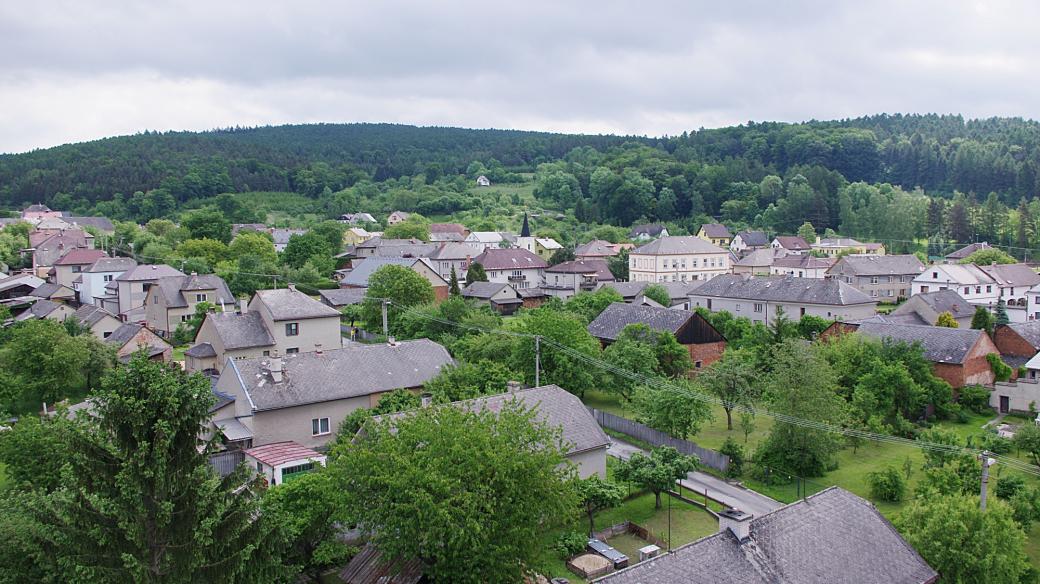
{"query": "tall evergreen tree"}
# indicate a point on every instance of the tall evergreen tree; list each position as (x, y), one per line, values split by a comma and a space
(453, 285)
(475, 273)
(935, 217)
(960, 225)
(1024, 227)
(1001, 316)
(142, 503)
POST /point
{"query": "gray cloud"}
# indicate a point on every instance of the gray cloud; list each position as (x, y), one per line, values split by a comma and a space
(73, 71)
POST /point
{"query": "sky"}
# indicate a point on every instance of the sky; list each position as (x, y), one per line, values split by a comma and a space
(80, 70)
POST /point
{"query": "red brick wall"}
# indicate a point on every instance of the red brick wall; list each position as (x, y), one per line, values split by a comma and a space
(1011, 343)
(706, 353)
(974, 371)
(441, 293)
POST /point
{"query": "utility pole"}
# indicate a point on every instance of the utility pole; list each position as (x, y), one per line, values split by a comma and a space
(386, 328)
(986, 463)
(537, 361)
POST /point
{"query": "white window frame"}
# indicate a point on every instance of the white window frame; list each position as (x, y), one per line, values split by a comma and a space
(320, 427)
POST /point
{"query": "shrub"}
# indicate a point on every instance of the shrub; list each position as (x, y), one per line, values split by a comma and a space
(996, 444)
(1001, 370)
(887, 484)
(735, 452)
(571, 544)
(975, 398)
(1008, 486)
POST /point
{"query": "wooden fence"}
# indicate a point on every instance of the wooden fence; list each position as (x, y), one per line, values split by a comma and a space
(708, 457)
(226, 462)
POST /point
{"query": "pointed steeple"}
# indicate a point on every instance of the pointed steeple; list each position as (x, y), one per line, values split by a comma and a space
(525, 231)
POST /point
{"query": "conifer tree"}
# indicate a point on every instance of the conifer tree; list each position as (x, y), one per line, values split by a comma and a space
(454, 283)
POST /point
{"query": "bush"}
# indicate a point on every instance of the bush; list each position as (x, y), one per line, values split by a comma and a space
(1001, 370)
(571, 544)
(996, 444)
(1008, 486)
(887, 485)
(975, 398)
(735, 452)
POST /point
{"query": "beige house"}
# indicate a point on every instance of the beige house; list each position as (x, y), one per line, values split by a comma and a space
(397, 217)
(841, 245)
(716, 234)
(133, 337)
(69, 267)
(101, 322)
(130, 289)
(304, 397)
(286, 320)
(889, 278)
(172, 300)
(677, 259)
(567, 279)
(42, 308)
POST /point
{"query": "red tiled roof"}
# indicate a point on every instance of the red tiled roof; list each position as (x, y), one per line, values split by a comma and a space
(509, 259)
(80, 256)
(281, 452)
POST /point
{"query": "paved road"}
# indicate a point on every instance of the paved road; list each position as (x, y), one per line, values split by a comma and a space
(719, 490)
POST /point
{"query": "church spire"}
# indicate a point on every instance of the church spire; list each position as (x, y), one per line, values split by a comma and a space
(525, 231)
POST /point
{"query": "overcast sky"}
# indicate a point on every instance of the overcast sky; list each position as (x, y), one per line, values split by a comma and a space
(79, 70)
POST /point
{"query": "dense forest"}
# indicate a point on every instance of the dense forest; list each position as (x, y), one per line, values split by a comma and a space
(902, 179)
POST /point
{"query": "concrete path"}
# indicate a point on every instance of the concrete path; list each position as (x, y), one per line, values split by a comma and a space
(717, 489)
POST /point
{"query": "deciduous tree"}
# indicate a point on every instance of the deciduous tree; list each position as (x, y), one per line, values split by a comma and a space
(657, 472)
(403, 287)
(596, 495)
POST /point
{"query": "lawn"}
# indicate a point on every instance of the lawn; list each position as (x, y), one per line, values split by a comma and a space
(178, 353)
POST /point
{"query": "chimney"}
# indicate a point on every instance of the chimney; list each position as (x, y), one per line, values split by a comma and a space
(817, 240)
(291, 286)
(317, 348)
(426, 400)
(391, 341)
(737, 522)
(274, 367)
(243, 306)
(513, 386)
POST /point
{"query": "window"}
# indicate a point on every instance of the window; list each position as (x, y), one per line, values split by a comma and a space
(107, 334)
(292, 329)
(902, 279)
(107, 277)
(873, 279)
(319, 426)
(155, 299)
(77, 269)
(758, 307)
(890, 293)
(801, 311)
(978, 289)
(709, 304)
(989, 289)
(967, 290)
(267, 353)
(935, 275)
(292, 350)
(696, 364)
(873, 293)
(259, 466)
(738, 307)
(200, 298)
(924, 289)
(185, 317)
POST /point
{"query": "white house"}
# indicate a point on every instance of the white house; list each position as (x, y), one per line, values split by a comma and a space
(984, 285)
(282, 462)
(762, 298)
(481, 240)
(517, 267)
(93, 280)
(801, 266)
(791, 244)
(482, 181)
(677, 259)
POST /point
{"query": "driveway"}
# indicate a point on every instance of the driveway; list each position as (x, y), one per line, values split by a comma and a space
(717, 489)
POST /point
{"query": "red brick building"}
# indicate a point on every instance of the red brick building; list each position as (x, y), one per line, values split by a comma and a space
(1018, 342)
(701, 339)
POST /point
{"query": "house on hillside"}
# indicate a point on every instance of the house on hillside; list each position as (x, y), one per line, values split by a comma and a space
(983, 285)
(303, 397)
(836, 246)
(647, 232)
(397, 217)
(39, 211)
(749, 241)
(889, 278)
(40, 309)
(482, 181)
(285, 320)
(101, 224)
(55, 292)
(482, 240)
(963, 253)
(126, 294)
(677, 259)
(340, 297)
(597, 249)
(358, 277)
(791, 244)
(704, 343)
(761, 299)
(19, 286)
(801, 266)
(502, 298)
(958, 355)
(514, 266)
(281, 237)
(452, 255)
(356, 235)
(716, 234)
(826, 538)
(173, 300)
(48, 248)
(758, 262)
(1017, 342)
(926, 308)
(566, 279)
(356, 218)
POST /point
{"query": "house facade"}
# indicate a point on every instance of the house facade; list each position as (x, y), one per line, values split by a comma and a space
(516, 267)
(677, 259)
(502, 298)
(131, 290)
(801, 266)
(452, 255)
(397, 217)
(749, 241)
(359, 276)
(543, 247)
(761, 299)
(845, 245)
(566, 279)
(647, 232)
(130, 338)
(704, 342)
(791, 244)
(91, 287)
(716, 234)
(926, 308)
(69, 267)
(173, 300)
(888, 278)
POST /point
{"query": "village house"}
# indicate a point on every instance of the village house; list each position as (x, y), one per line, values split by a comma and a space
(482, 240)
(55, 292)
(133, 337)
(284, 320)
(633, 292)
(791, 244)
(532, 297)
(281, 237)
(103, 225)
(92, 281)
(888, 278)
(303, 397)
(173, 300)
(596, 249)
(397, 217)
(482, 181)
(237, 228)
(448, 228)
(829, 537)
(801, 266)
(452, 255)
(68, 268)
(845, 245)
(130, 290)
(19, 286)
(516, 267)
(543, 247)
(339, 297)
(358, 277)
(983, 285)
(762, 299)
(356, 235)
(958, 355)
(39, 211)
(716, 234)
(749, 241)
(394, 248)
(704, 343)
(282, 462)
(566, 279)
(963, 253)
(40, 309)
(1018, 342)
(926, 308)
(48, 248)
(677, 259)
(502, 298)
(758, 262)
(356, 218)
(647, 232)
(1033, 303)
(1014, 281)
(101, 322)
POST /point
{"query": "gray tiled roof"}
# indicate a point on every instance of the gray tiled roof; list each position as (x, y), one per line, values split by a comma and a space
(967, 250)
(878, 265)
(241, 331)
(174, 288)
(609, 324)
(591, 266)
(146, 272)
(20, 280)
(805, 262)
(1030, 331)
(41, 308)
(596, 247)
(124, 333)
(940, 301)
(759, 257)
(50, 289)
(291, 304)
(482, 290)
(353, 371)
(827, 538)
(342, 296)
(412, 250)
(102, 223)
(90, 315)
(554, 406)
(651, 229)
(363, 271)
(497, 258)
(940, 344)
(201, 351)
(715, 230)
(627, 290)
(1012, 274)
(783, 289)
(678, 244)
(112, 265)
(754, 238)
(282, 236)
(452, 251)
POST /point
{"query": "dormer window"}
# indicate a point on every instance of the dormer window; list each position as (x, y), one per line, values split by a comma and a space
(200, 298)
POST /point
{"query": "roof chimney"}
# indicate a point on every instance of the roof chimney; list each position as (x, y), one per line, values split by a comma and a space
(513, 386)
(243, 306)
(274, 367)
(737, 522)
(317, 348)
(426, 399)
(391, 341)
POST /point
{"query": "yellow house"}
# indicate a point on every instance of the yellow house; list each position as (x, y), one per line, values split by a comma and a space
(356, 235)
(716, 234)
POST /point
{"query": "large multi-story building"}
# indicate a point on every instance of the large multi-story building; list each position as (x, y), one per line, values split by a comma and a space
(762, 299)
(677, 259)
(514, 266)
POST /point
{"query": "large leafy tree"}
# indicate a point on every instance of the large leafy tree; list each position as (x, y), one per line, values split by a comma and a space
(400, 285)
(466, 493)
(656, 472)
(253, 243)
(596, 495)
(589, 305)
(963, 543)
(141, 503)
(468, 380)
(559, 366)
(730, 379)
(303, 247)
(678, 408)
(208, 223)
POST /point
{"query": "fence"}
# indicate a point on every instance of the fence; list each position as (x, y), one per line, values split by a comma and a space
(226, 462)
(636, 430)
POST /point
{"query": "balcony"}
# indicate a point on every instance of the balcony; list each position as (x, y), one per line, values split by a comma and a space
(519, 278)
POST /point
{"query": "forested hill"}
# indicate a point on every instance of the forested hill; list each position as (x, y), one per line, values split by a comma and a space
(193, 164)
